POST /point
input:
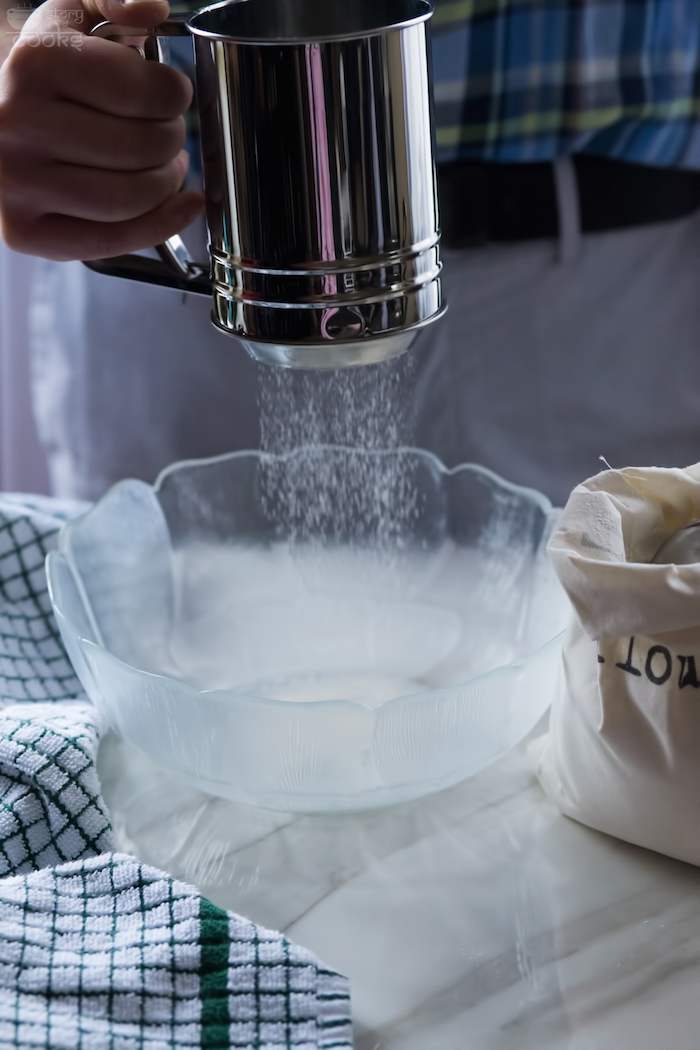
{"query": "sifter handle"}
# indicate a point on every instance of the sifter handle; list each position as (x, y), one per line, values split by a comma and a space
(175, 268)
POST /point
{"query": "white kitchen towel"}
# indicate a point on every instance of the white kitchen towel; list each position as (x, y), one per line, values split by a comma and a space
(97, 950)
(623, 750)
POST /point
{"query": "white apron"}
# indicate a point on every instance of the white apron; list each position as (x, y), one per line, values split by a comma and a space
(540, 366)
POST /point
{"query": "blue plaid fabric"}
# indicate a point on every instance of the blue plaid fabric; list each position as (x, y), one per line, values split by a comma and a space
(527, 80)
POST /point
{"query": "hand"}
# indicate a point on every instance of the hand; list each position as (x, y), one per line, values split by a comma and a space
(91, 137)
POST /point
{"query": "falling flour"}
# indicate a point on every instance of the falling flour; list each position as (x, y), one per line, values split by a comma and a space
(325, 611)
(358, 592)
(317, 496)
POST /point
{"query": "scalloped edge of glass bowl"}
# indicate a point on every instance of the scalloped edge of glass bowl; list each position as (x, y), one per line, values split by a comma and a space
(163, 717)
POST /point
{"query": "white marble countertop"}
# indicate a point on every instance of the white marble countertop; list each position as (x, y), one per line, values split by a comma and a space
(476, 919)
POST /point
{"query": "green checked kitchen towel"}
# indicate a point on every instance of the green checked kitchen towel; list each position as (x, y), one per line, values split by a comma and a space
(96, 949)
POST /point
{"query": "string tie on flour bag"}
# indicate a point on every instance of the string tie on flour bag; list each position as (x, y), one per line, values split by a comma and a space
(623, 750)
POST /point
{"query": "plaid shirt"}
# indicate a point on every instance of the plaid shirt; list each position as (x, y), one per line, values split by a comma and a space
(526, 80)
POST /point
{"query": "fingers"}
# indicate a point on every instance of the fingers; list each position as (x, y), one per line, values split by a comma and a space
(91, 138)
(62, 238)
(102, 74)
(144, 13)
(76, 135)
(88, 193)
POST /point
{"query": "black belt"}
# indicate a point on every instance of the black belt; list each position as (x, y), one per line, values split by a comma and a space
(480, 203)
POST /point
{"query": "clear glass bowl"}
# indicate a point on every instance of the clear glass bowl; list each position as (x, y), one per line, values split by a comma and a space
(243, 628)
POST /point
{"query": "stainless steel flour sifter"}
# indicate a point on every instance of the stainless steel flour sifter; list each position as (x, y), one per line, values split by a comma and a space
(319, 177)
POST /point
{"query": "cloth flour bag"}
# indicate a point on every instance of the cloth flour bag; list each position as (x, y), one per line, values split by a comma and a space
(623, 750)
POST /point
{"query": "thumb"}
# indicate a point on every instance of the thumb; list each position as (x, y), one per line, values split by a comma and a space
(141, 13)
(82, 15)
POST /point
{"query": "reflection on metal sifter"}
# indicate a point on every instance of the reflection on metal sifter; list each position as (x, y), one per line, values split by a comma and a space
(319, 178)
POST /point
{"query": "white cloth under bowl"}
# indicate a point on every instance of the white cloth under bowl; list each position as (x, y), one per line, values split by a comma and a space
(97, 949)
